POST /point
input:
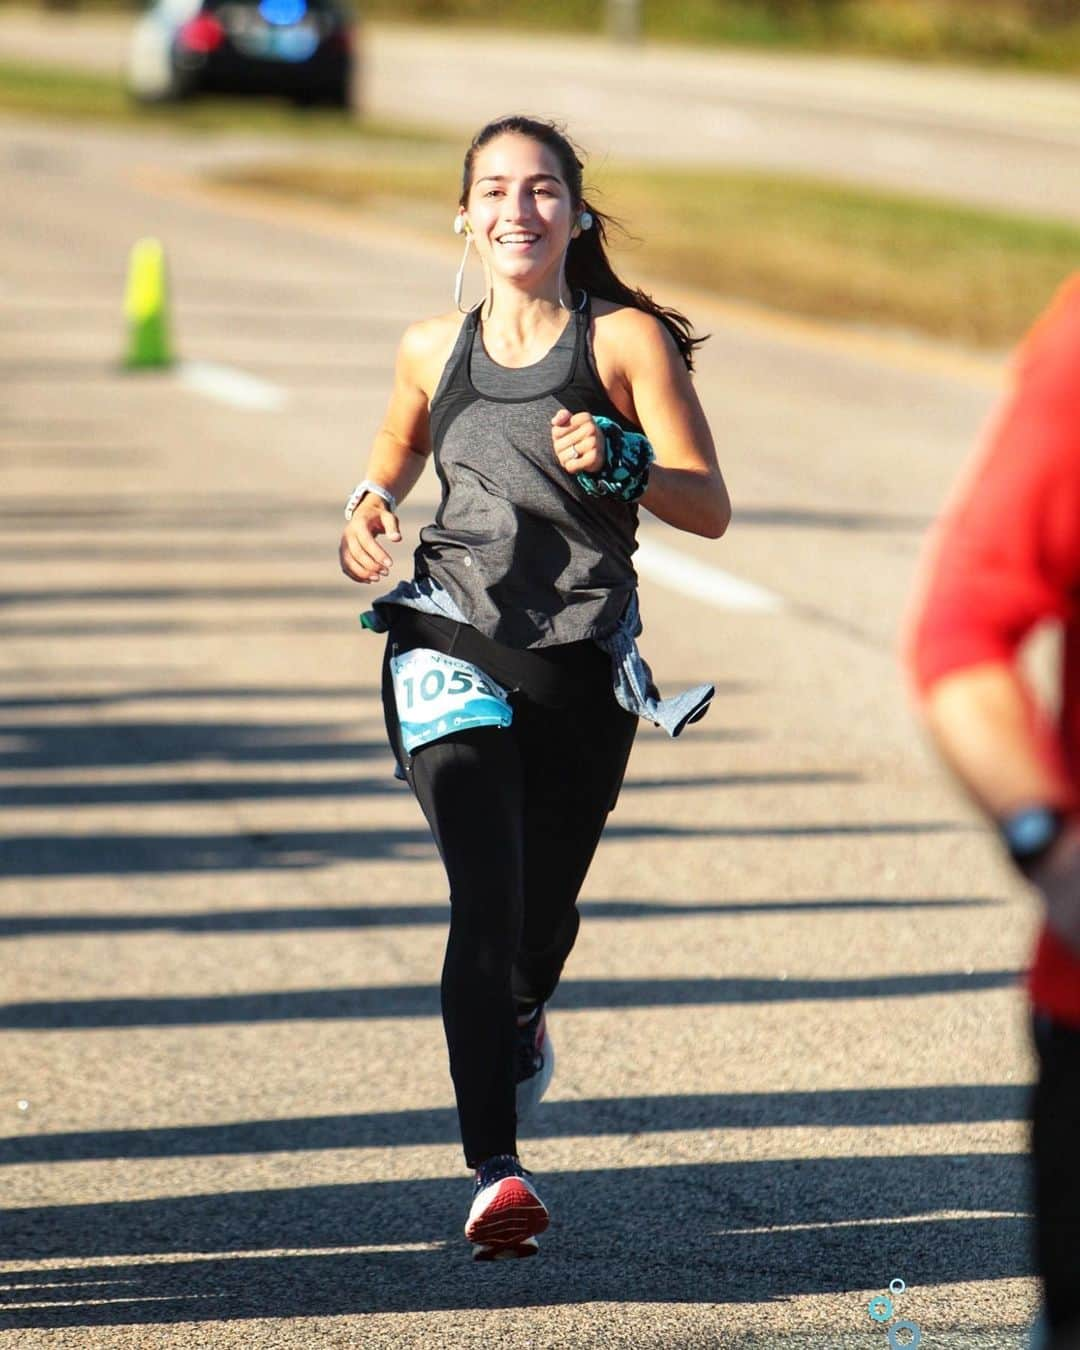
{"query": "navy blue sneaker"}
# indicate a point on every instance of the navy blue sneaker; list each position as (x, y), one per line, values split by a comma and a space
(535, 1063)
(506, 1213)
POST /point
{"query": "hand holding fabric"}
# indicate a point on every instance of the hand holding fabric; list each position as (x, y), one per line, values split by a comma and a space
(578, 442)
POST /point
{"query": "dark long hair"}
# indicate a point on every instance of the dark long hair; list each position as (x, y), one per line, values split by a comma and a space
(587, 265)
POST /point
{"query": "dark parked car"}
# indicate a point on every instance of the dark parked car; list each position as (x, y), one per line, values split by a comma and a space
(301, 49)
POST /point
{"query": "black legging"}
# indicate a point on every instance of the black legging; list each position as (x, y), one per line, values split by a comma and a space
(517, 815)
(1056, 1151)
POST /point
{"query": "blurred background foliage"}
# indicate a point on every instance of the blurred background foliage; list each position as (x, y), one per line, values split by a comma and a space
(1037, 33)
(787, 242)
(1032, 32)
(790, 243)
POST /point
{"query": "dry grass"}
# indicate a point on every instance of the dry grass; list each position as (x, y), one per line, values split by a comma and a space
(812, 248)
(808, 247)
(69, 95)
(1041, 34)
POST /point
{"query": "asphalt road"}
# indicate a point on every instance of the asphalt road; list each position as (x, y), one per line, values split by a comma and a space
(994, 138)
(792, 1051)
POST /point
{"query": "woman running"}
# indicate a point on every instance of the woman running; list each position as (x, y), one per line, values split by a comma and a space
(512, 682)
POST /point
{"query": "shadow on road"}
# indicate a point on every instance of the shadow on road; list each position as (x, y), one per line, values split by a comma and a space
(806, 519)
(159, 595)
(270, 789)
(229, 512)
(117, 854)
(829, 1108)
(230, 623)
(56, 745)
(408, 915)
(170, 693)
(765, 1231)
(422, 1000)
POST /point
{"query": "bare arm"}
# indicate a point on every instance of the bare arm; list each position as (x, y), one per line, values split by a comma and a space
(686, 488)
(401, 449)
(984, 723)
(1006, 557)
(983, 720)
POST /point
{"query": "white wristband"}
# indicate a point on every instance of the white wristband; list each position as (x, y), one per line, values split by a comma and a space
(365, 487)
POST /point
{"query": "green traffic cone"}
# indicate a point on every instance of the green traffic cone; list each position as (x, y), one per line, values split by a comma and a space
(146, 308)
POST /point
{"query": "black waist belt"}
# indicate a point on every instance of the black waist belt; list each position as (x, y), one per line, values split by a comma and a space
(551, 676)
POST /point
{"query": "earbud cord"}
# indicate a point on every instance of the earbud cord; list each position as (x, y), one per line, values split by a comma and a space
(562, 276)
(459, 281)
(485, 312)
(586, 216)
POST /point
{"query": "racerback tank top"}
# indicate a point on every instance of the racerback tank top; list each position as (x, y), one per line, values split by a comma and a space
(527, 556)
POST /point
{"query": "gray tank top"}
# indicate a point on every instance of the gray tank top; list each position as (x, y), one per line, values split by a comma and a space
(528, 557)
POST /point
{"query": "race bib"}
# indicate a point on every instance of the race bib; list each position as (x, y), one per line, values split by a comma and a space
(438, 694)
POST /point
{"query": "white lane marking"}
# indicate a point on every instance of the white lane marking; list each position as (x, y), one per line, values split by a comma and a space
(668, 567)
(235, 387)
(935, 1214)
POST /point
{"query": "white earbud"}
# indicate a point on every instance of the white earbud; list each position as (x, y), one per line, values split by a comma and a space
(461, 225)
(585, 220)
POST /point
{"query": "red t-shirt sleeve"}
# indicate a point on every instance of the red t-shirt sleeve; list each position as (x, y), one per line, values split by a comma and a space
(1005, 553)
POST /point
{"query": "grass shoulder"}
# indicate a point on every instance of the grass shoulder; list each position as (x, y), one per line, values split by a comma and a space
(60, 94)
(1029, 34)
(791, 243)
(795, 244)
(1025, 34)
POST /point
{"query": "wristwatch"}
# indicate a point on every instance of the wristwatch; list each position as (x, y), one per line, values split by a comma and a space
(362, 489)
(1030, 833)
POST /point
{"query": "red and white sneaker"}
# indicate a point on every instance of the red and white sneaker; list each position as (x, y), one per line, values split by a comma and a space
(506, 1213)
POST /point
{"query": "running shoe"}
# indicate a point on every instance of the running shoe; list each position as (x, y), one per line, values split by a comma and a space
(506, 1213)
(535, 1063)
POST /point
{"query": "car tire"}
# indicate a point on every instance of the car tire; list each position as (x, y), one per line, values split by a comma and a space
(340, 96)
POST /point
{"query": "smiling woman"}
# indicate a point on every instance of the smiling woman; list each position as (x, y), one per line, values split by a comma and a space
(512, 681)
(585, 265)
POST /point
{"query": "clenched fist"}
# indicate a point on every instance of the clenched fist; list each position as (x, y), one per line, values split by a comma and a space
(578, 442)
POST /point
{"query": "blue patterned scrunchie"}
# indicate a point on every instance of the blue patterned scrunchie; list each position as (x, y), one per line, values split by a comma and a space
(626, 474)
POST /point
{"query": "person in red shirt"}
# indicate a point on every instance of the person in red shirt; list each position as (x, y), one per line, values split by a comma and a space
(1003, 559)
